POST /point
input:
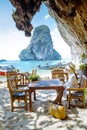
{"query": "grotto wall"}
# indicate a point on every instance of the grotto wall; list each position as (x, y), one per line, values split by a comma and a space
(70, 17)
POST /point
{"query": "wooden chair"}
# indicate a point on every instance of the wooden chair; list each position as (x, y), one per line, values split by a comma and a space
(16, 94)
(21, 82)
(59, 74)
(78, 93)
(11, 73)
(21, 78)
(34, 72)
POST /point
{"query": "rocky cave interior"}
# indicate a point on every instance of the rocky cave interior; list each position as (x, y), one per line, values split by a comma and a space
(69, 15)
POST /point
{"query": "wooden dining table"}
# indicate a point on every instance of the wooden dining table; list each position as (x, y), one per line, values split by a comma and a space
(49, 84)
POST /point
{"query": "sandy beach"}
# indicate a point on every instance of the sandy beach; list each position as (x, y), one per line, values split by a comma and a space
(39, 119)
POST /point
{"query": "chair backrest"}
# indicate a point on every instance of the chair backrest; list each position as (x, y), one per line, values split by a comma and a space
(83, 81)
(9, 75)
(23, 78)
(58, 74)
(34, 72)
(12, 83)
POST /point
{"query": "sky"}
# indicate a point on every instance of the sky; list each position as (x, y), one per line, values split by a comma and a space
(13, 41)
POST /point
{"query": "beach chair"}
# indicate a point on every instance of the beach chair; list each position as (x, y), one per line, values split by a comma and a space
(59, 74)
(78, 92)
(16, 94)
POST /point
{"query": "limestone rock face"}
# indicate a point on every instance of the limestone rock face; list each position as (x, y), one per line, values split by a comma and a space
(70, 17)
(40, 47)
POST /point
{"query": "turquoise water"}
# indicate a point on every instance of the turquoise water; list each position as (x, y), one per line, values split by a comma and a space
(28, 66)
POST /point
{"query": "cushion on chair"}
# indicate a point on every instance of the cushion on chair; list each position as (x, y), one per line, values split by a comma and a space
(79, 94)
(18, 94)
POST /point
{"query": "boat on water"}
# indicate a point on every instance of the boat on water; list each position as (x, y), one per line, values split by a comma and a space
(5, 68)
(47, 67)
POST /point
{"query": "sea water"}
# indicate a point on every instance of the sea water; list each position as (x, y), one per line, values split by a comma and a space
(28, 66)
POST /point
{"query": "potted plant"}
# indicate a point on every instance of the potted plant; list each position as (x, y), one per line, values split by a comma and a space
(34, 77)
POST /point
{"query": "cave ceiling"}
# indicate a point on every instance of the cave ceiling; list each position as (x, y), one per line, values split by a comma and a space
(69, 15)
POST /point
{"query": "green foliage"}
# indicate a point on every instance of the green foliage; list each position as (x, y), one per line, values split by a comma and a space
(84, 56)
(14, 15)
(82, 66)
(16, 70)
(34, 77)
(86, 91)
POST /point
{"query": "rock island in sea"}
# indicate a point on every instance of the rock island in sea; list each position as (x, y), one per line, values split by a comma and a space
(40, 47)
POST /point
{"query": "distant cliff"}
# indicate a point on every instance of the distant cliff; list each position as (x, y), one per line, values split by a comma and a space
(40, 47)
(1, 60)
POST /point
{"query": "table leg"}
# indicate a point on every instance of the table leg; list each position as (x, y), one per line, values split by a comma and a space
(23, 79)
(34, 95)
(30, 98)
(59, 96)
(30, 101)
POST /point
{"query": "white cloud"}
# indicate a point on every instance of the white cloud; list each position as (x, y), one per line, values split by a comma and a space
(59, 44)
(11, 44)
(47, 16)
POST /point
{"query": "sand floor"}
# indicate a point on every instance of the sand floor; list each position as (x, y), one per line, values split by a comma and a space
(39, 119)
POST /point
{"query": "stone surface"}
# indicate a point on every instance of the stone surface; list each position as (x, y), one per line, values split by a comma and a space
(40, 47)
(70, 16)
